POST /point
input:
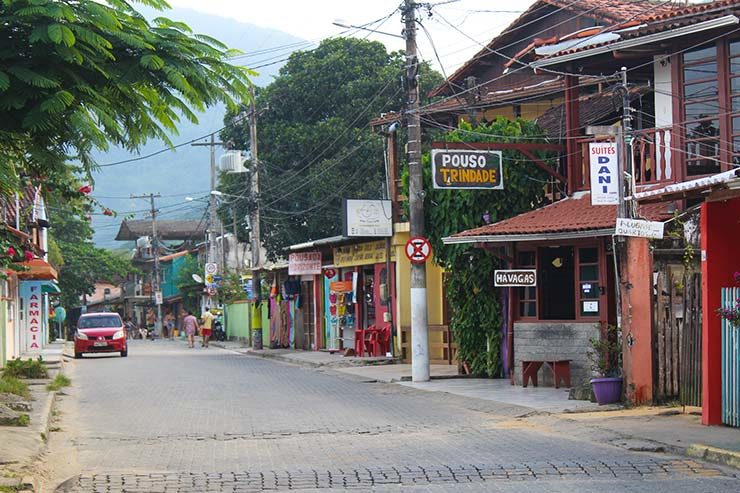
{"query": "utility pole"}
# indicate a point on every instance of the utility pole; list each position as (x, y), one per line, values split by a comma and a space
(213, 221)
(253, 182)
(155, 246)
(419, 327)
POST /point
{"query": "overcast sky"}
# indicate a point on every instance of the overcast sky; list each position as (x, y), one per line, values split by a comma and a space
(312, 20)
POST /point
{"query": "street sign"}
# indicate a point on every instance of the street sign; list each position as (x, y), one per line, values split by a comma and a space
(158, 297)
(515, 278)
(211, 291)
(418, 250)
(467, 169)
(639, 228)
(211, 268)
(209, 278)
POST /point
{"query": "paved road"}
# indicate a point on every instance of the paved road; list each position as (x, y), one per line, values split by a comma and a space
(168, 418)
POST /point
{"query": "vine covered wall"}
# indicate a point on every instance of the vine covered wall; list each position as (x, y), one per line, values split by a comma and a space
(476, 310)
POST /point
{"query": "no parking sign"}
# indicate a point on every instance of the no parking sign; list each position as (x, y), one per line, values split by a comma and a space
(418, 250)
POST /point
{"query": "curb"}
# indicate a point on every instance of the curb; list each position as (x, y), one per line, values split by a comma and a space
(713, 454)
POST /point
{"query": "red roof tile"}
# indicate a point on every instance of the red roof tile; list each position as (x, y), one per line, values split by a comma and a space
(568, 215)
(609, 12)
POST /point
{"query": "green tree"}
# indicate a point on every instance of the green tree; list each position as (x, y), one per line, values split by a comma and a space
(315, 143)
(80, 263)
(476, 316)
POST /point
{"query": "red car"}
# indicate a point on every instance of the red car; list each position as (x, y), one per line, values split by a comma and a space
(100, 333)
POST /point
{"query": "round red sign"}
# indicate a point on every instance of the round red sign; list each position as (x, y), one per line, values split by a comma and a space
(418, 250)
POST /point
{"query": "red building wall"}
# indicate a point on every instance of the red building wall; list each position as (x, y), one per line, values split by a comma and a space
(720, 239)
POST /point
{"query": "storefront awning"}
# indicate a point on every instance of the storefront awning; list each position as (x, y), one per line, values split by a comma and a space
(37, 269)
(50, 287)
(571, 218)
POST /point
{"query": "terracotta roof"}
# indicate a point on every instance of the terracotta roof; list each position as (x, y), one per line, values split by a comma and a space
(572, 214)
(609, 12)
(652, 24)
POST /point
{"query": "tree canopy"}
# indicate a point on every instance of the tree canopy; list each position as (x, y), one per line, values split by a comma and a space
(78, 75)
(315, 145)
(82, 74)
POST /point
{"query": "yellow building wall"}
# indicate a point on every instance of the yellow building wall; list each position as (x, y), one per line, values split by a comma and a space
(435, 290)
(529, 111)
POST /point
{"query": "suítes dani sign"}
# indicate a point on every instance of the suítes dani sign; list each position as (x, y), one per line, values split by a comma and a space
(458, 169)
(604, 171)
(515, 278)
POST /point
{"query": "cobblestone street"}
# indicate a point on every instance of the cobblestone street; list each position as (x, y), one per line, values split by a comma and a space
(172, 419)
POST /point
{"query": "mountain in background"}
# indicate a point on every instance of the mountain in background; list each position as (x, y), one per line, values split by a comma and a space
(184, 172)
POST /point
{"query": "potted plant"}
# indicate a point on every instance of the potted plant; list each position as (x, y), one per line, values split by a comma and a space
(606, 359)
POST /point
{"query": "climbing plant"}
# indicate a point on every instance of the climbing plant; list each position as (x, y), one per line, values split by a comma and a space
(476, 309)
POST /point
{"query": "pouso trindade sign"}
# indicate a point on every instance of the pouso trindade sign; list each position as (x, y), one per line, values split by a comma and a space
(464, 169)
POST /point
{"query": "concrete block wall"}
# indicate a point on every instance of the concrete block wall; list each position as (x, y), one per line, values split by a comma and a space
(554, 341)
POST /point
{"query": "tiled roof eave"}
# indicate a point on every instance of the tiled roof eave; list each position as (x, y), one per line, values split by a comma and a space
(541, 236)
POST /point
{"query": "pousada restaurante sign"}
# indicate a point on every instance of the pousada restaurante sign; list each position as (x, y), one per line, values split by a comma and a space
(464, 169)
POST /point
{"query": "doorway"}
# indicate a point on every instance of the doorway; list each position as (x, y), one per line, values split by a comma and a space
(557, 283)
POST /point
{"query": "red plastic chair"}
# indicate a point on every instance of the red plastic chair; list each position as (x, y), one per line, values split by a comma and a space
(380, 341)
(362, 339)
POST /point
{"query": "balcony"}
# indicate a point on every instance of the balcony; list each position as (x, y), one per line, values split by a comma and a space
(652, 158)
(137, 289)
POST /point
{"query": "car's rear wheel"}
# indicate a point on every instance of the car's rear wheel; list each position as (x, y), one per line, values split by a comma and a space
(78, 355)
(124, 353)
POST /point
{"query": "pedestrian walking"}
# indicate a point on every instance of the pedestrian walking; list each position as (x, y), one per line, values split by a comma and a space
(130, 328)
(206, 327)
(169, 322)
(190, 326)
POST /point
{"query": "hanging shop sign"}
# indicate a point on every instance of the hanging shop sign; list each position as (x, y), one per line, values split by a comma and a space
(639, 228)
(515, 278)
(604, 174)
(305, 263)
(418, 250)
(372, 252)
(341, 286)
(158, 297)
(367, 218)
(462, 169)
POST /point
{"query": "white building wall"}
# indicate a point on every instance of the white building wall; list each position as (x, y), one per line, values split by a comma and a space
(663, 105)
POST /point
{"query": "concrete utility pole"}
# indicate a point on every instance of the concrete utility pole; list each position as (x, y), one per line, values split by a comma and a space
(213, 221)
(419, 327)
(253, 182)
(212, 217)
(155, 245)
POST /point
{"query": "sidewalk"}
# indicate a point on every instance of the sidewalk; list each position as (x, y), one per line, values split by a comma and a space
(380, 369)
(21, 445)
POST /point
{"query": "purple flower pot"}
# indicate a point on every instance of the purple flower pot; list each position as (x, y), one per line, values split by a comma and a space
(607, 390)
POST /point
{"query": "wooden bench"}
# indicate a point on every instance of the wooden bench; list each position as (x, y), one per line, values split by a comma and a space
(560, 370)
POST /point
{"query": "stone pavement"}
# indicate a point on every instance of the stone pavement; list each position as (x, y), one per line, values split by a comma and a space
(168, 418)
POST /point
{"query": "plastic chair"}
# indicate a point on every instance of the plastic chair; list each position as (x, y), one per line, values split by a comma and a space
(379, 341)
(359, 342)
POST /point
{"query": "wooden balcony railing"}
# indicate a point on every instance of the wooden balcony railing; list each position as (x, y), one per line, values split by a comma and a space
(651, 157)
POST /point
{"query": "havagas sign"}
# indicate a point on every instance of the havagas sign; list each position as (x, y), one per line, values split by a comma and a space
(467, 169)
(515, 278)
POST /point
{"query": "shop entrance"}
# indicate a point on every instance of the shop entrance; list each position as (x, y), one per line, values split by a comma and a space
(368, 297)
(557, 283)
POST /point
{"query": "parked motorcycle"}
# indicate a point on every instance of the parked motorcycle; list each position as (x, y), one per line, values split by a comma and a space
(219, 333)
